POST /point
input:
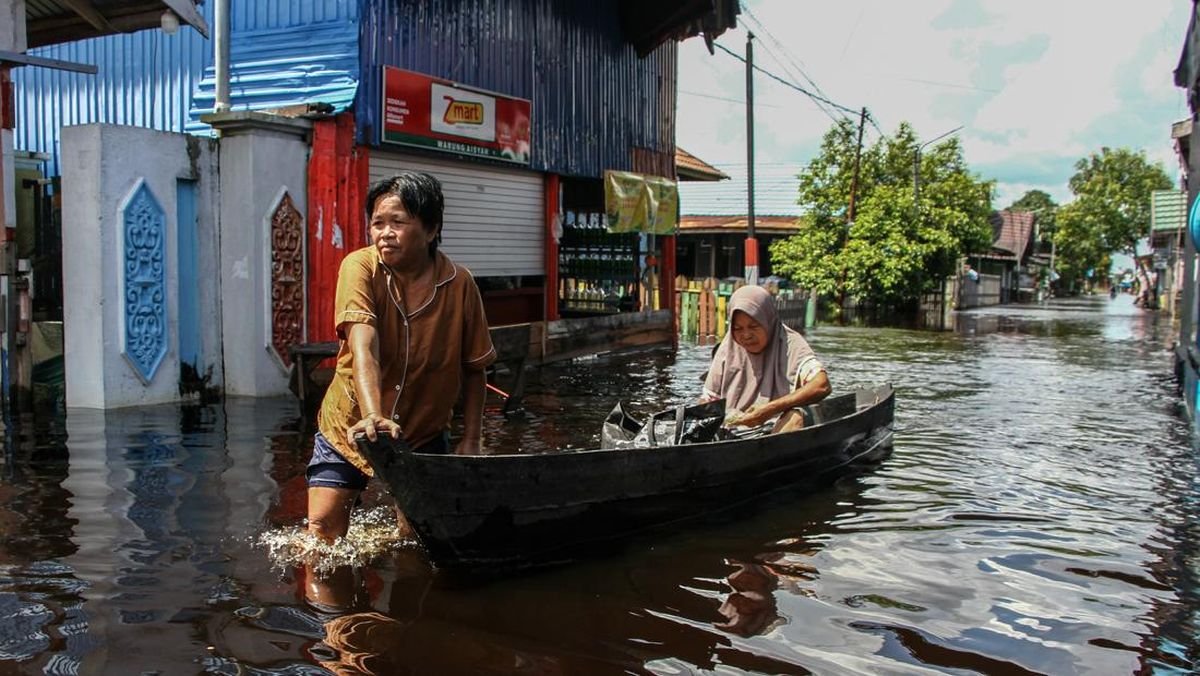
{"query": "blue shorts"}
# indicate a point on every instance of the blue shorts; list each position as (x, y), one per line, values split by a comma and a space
(329, 469)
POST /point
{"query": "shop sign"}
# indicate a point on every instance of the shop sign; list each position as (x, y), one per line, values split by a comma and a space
(428, 112)
(641, 203)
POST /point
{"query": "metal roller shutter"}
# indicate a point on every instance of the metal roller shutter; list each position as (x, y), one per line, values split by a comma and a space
(494, 215)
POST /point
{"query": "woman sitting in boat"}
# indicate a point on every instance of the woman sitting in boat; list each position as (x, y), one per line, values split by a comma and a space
(764, 370)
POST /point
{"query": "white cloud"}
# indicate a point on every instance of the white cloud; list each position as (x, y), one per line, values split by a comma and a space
(1036, 84)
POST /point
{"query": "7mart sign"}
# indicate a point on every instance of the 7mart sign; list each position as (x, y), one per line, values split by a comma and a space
(428, 112)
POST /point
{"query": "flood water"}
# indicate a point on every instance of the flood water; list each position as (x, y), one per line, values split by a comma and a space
(1038, 515)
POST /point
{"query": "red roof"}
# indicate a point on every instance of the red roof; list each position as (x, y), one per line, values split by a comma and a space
(691, 168)
(775, 225)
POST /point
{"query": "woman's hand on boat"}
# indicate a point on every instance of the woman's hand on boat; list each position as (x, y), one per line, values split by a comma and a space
(752, 417)
(371, 426)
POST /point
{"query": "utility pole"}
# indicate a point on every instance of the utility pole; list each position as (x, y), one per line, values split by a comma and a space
(850, 210)
(862, 120)
(751, 255)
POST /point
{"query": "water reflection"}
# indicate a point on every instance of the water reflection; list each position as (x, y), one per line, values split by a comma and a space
(1038, 515)
(750, 608)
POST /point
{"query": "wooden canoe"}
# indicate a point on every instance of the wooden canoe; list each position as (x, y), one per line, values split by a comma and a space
(511, 510)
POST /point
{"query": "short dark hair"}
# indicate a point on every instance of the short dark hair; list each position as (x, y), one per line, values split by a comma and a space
(421, 195)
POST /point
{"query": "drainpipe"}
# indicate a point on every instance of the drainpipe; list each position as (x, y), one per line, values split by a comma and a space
(221, 56)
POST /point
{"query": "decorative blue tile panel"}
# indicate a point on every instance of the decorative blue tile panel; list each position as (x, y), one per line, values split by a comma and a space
(144, 229)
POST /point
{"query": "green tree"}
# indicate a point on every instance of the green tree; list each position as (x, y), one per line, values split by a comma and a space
(1079, 245)
(1044, 209)
(1110, 212)
(1114, 187)
(892, 251)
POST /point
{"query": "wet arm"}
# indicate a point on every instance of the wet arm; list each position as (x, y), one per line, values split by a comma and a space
(809, 393)
(474, 391)
(364, 348)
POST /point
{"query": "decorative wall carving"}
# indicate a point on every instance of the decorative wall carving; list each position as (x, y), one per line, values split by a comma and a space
(144, 229)
(287, 278)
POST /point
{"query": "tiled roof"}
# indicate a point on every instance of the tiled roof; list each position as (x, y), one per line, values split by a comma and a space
(1013, 230)
(692, 168)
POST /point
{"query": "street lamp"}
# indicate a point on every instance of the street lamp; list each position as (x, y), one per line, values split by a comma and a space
(917, 197)
(917, 171)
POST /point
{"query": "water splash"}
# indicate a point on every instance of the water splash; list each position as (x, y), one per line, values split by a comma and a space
(373, 533)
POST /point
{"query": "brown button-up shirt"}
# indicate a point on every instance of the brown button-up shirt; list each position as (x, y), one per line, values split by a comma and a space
(422, 353)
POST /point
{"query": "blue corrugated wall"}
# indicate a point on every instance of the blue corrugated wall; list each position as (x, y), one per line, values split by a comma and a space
(274, 67)
(593, 98)
(148, 79)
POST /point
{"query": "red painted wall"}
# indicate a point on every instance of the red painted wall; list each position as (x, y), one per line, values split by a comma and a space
(337, 185)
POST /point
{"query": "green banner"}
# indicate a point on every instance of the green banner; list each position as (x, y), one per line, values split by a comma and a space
(640, 203)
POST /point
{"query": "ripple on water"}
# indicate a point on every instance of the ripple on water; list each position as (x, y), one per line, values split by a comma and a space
(1038, 514)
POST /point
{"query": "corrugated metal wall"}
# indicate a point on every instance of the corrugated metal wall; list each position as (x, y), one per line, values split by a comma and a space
(147, 79)
(271, 68)
(594, 100)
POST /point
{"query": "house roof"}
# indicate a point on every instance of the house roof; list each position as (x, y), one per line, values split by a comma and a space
(691, 168)
(1013, 231)
(712, 225)
(51, 22)
(649, 23)
(776, 192)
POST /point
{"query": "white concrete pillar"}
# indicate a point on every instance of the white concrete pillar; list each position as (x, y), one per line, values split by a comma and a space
(12, 26)
(262, 157)
(120, 263)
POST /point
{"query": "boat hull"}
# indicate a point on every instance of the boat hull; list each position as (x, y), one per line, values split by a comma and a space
(512, 509)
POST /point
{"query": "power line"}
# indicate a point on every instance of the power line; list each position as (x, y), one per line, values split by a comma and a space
(824, 109)
(725, 98)
(871, 119)
(784, 82)
(782, 48)
(766, 47)
(798, 65)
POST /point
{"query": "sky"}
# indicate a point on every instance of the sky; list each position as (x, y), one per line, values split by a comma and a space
(1036, 85)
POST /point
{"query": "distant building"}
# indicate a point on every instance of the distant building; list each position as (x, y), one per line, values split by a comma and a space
(1011, 256)
(714, 224)
(1168, 215)
(715, 246)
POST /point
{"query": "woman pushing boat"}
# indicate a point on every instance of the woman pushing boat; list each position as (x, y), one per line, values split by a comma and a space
(764, 370)
(412, 337)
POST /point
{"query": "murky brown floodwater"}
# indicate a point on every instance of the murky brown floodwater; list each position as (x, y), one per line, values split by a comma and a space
(1038, 515)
